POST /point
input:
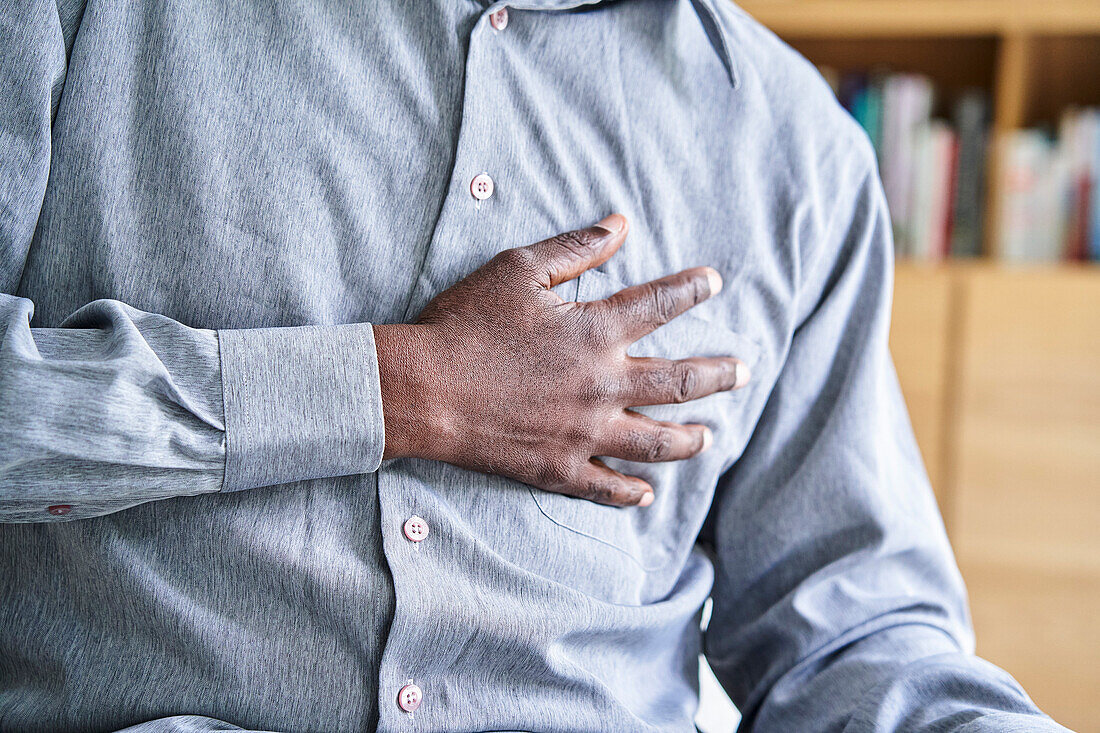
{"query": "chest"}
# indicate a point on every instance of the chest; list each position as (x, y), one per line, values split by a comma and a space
(312, 163)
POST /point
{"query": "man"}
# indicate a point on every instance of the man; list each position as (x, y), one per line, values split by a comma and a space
(300, 432)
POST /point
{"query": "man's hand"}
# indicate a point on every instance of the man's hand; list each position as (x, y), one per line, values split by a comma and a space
(500, 375)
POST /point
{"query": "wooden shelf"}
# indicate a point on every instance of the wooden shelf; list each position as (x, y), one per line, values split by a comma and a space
(861, 18)
(1035, 58)
(976, 266)
(958, 64)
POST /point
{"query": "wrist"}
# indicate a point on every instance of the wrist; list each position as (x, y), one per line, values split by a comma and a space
(412, 405)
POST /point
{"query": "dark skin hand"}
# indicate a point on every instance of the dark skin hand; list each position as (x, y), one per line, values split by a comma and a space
(500, 375)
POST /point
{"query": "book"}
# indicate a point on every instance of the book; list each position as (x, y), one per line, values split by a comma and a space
(1075, 133)
(906, 105)
(971, 120)
(1025, 167)
(1094, 208)
(1050, 191)
(933, 190)
(865, 104)
(934, 172)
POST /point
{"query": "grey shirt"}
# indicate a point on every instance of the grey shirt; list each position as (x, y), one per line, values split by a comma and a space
(204, 204)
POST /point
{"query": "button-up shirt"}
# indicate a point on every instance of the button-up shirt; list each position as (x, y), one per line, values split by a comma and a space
(205, 204)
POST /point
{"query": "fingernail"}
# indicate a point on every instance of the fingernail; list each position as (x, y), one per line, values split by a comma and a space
(741, 375)
(714, 280)
(647, 499)
(708, 439)
(612, 223)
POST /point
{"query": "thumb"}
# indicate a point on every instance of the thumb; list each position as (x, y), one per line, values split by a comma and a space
(565, 256)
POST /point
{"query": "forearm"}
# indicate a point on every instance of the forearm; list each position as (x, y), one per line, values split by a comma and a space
(120, 407)
(896, 674)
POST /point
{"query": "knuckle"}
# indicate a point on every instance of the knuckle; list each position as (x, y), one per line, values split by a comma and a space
(575, 242)
(636, 444)
(660, 444)
(516, 258)
(654, 382)
(601, 390)
(657, 379)
(686, 382)
(554, 475)
(599, 331)
(663, 302)
(602, 491)
(581, 436)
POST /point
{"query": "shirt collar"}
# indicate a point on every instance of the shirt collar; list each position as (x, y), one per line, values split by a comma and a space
(708, 15)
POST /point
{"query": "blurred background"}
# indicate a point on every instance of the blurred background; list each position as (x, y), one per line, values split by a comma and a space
(986, 118)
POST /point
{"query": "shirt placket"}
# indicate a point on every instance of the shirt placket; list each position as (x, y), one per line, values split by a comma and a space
(477, 195)
(480, 193)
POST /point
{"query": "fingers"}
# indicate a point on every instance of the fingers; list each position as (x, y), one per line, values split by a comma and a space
(635, 437)
(639, 309)
(596, 482)
(566, 256)
(653, 381)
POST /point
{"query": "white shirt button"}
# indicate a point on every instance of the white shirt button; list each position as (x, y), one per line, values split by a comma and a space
(481, 187)
(499, 19)
(409, 697)
(416, 529)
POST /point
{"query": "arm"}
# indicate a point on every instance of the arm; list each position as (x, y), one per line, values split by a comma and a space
(837, 602)
(117, 406)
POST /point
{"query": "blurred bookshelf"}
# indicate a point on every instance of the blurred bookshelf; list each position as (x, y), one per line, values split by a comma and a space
(985, 115)
(996, 323)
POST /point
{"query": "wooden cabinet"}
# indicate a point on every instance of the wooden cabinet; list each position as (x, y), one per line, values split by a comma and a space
(920, 334)
(1026, 491)
(1001, 372)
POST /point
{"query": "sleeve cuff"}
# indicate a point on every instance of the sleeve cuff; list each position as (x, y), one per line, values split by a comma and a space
(1013, 723)
(300, 403)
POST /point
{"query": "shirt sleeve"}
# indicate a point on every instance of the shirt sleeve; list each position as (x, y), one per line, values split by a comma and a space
(116, 406)
(837, 601)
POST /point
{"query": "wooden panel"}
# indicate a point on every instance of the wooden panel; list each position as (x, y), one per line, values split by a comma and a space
(1065, 71)
(1026, 496)
(1013, 72)
(1041, 626)
(955, 64)
(848, 18)
(919, 336)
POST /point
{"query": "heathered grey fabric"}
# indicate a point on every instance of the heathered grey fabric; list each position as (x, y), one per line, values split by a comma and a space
(209, 202)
